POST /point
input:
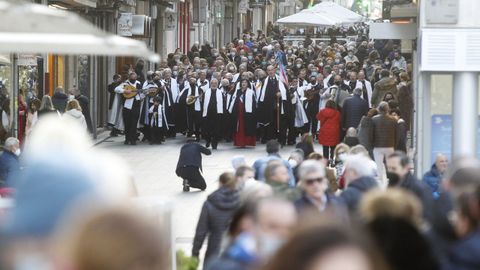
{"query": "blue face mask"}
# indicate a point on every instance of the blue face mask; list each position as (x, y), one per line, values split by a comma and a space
(314, 74)
(250, 57)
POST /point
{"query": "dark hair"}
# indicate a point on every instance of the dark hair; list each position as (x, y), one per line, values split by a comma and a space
(331, 104)
(245, 210)
(312, 243)
(272, 147)
(396, 111)
(384, 73)
(404, 160)
(117, 76)
(399, 240)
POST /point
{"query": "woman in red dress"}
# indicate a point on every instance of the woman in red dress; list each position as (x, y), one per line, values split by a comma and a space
(243, 112)
(329, 134)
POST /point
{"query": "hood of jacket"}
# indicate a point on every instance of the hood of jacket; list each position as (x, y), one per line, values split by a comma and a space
(75, 113)
(224, 199)
(59, 95)
(386, 84)
(363, 183)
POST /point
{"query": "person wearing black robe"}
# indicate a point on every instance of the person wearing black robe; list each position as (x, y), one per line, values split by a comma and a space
(131, 108)
(228, 90)
(312, 104)
(148, 85)
(171, 97)
(243, 112)
(181, 108)
(194, 111)
(212, 114)
(273, 109)
(117, 79)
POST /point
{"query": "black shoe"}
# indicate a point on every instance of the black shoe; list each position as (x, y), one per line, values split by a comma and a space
(126, 142)
(186, 186)
(197, 139)
(207, 145)
(113, 134)
(214, 146)
(133, 143)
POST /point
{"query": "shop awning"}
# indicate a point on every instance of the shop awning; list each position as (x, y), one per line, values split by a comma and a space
(308, 17)
(323, 14)
(34, 28)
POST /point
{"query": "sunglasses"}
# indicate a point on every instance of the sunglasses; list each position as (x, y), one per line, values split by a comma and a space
(311, 181)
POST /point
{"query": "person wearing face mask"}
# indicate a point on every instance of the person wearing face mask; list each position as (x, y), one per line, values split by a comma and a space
(399, 175)
(9, 163)
(339, 160)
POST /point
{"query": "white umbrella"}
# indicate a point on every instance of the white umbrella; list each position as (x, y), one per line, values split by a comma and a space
(334, 10)
(308, 17)
(34, 28)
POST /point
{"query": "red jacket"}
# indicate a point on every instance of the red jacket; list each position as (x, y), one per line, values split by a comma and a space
(329, 134)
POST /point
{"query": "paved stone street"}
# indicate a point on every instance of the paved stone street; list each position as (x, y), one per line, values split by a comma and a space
(154, 170)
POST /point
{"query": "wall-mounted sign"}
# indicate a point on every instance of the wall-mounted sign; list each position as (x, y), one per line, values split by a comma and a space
(442, 11)
(27, 60)
(125, 25)
(170, 21)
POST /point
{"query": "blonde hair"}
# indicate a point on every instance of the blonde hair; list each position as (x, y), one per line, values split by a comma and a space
(73, 104)
(339, 147)
(394, 202)
(227, 179)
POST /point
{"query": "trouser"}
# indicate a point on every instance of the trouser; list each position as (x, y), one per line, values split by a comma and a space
(194, 122)
(380, 154)
(130, 118)
(156, 134)
(328, 152)
(193, 176)
(311, 126)
(212, 129)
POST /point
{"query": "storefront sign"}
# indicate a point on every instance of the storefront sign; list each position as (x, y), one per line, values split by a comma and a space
(125, 25)
(442, 135)
(27, 60)
(170, 21)
(138, 25)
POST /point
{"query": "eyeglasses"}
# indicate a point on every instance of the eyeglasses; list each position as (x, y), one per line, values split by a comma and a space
(311, 181)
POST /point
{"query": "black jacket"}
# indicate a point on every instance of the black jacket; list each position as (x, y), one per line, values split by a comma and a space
(83, 101)
(215, 217)
(59, 101)
(191, 155)
(354, 191)
(307, 149)
(419, 189)
(353, 110)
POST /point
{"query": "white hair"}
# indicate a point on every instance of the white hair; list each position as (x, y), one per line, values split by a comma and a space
(310, 166)
(361, 165)
(11, 142)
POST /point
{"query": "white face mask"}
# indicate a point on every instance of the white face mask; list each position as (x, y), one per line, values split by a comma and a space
(71, 97)
(342, 157)
(18, 152)
(293, 163)
(269, 245)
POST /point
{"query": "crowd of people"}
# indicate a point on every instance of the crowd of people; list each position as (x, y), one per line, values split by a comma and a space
(290, 214)
(256, 89)
(356, 205)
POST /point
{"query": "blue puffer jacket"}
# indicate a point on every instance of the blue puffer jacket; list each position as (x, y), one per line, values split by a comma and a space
(433, 179)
